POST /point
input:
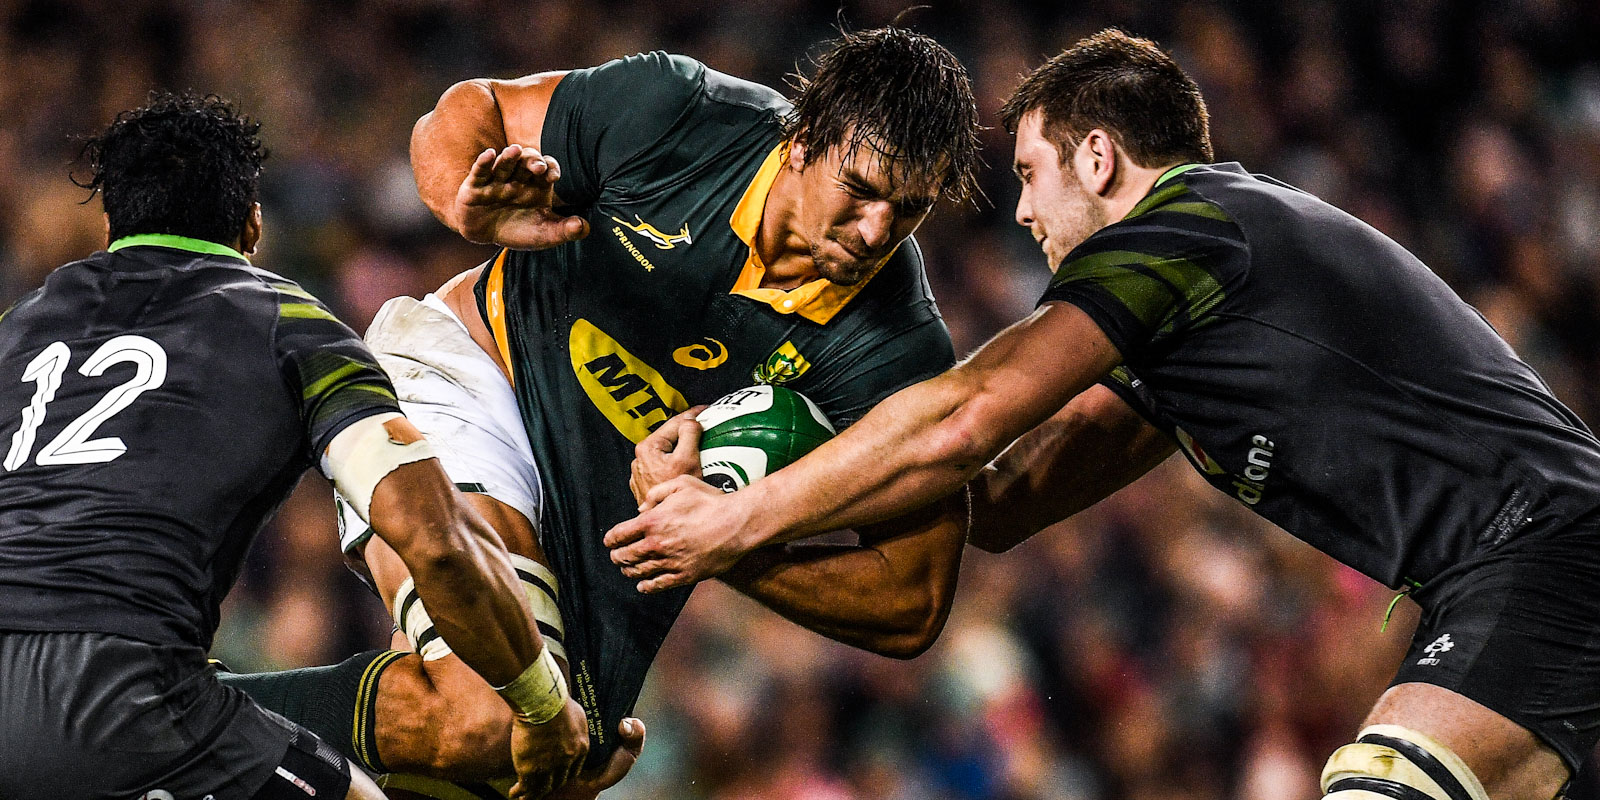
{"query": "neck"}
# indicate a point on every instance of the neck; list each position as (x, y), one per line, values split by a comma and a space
(1132, 184)
(782, 248)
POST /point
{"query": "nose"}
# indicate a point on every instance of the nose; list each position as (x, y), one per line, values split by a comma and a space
(1024, 209)
(877, 224)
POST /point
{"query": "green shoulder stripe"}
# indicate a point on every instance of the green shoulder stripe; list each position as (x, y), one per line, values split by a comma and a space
(1153, 288)
(305, 311)
(1199, 208)
(330, 378)
(294, 291)
(1158, 197)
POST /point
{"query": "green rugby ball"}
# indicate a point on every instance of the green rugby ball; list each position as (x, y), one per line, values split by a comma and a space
(753, 432)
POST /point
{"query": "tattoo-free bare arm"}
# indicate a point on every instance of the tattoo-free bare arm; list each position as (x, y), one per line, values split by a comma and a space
(889, 594)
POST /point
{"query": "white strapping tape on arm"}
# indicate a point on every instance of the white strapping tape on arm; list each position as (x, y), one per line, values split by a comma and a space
(365, 452)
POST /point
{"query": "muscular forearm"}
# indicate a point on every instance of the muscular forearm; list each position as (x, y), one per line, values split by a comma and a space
(926, 440)
(890, 594)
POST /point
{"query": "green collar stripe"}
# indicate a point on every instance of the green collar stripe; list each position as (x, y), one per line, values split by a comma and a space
(176, 243)
(1175, 172)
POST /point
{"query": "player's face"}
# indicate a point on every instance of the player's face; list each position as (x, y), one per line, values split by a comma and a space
(1054, 205)
(856, 210)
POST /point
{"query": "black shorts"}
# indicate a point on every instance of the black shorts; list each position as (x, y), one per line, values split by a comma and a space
(98, 715)
(1518, 630)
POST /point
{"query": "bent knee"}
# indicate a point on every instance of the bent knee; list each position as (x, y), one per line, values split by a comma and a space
(440, 719)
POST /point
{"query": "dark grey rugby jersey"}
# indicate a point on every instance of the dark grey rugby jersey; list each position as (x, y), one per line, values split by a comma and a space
(1317, 371)
(159, 402)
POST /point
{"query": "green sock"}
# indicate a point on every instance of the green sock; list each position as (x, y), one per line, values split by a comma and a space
(337, 703)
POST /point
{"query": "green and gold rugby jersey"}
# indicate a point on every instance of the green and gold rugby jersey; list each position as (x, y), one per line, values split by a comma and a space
(1314, 369)
(159, 401)
(661, 308)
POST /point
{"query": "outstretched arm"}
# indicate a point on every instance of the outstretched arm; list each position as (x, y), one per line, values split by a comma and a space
(922, 443)
(478, 165)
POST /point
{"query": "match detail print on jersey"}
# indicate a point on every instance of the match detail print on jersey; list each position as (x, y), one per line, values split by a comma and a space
(632, 395)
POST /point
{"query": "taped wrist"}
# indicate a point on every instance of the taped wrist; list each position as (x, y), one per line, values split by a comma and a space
(366, 451)
(539, 693)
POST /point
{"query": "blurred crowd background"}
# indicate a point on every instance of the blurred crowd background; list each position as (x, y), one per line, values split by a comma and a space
(1167, 644)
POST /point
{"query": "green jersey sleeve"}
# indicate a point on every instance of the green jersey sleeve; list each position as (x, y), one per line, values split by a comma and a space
(604, 117)
(1163, 270)
(327, 366)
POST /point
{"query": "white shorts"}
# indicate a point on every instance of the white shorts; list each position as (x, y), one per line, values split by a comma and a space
(458, 397)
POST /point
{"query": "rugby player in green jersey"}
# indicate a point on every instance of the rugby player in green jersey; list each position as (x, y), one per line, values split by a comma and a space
(735, 237)
(1305, 363)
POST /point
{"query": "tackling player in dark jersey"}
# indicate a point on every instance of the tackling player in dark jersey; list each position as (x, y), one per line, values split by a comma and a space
(164, 396)
(735, 238)
(1305, 363)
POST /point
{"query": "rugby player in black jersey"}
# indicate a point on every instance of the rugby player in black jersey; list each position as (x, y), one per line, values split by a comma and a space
(1305, 363)
(163, 398)
(735, 237)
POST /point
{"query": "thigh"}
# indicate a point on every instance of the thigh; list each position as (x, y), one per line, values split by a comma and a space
(1508, 655)
(456, 395)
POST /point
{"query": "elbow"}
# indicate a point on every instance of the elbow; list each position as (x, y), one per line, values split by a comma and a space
(917, 629)
(965, 439)
(915, 622)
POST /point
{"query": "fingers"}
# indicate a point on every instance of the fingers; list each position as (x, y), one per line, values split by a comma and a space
(688, 436)
(623, 758)
(624, 533)
(662, 583)
(515, 164)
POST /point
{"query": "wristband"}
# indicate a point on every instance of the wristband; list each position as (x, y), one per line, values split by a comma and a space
(539, 693)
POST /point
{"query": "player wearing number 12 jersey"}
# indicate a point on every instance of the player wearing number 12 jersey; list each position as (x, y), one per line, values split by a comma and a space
(162, 398)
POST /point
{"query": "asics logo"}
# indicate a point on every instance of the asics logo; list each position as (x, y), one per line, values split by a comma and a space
(700, 356)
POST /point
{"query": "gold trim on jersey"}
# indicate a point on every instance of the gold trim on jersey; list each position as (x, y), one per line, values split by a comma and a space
(818, 300)
(495, 305)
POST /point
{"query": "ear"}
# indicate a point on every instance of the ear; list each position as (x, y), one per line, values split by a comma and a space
(797, 156)
(106, 218)
(251, 235)
(1098, 159)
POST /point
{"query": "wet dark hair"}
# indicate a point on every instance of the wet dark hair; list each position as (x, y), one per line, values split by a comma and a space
(181, 164)
(1124, 85)
(900, 92)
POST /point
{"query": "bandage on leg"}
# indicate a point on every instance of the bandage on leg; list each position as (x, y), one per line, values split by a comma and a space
(538, 582)
(1390, 762)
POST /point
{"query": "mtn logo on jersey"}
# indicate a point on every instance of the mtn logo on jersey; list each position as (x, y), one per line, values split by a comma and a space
(662, 240)
(784, 365)
(700, 356)
(630, 393)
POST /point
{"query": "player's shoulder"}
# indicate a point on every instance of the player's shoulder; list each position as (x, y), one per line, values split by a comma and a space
(1187, 217)
(656, 80)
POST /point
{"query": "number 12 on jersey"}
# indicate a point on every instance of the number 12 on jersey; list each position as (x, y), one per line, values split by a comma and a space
(73, 445)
